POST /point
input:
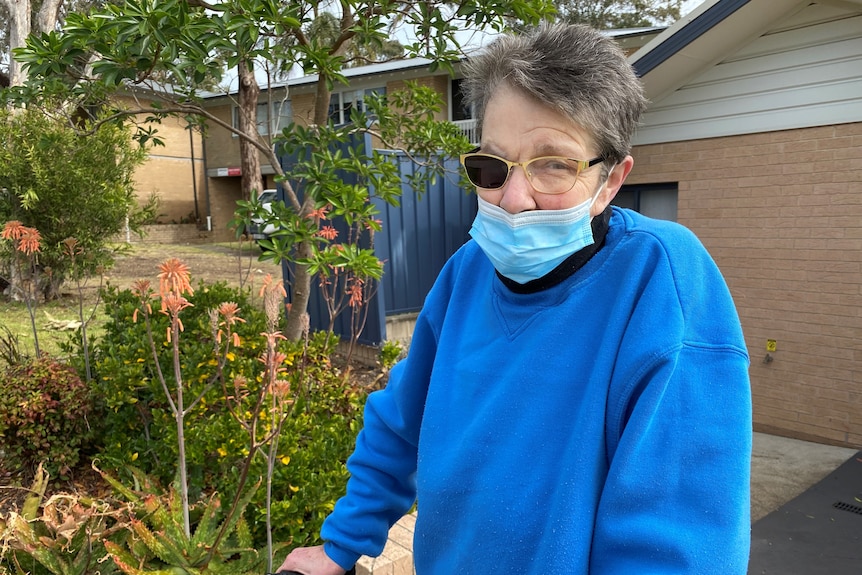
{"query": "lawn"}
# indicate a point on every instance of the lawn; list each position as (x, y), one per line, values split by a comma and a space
(229, 262)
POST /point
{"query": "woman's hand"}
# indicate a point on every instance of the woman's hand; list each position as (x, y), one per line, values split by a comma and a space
(311, 561)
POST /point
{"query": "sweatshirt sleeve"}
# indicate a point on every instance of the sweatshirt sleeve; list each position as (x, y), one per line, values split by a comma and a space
(382, 468)
(676, 499)
(679, 426)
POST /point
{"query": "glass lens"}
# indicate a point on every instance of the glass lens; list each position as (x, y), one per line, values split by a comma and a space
(486, 171)
(553, 175)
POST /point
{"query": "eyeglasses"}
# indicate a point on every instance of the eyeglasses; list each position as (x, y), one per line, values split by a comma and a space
(547, 175)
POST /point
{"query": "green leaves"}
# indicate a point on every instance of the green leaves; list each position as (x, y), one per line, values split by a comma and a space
(67, 189)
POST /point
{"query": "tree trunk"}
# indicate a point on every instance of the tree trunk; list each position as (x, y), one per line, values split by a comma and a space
(19, 29)
(301, 292)
(321, 102)
(249, 91)
(301, 285)
(46, 18)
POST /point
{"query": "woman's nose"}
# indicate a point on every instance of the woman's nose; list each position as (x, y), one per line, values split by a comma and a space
(518, 192)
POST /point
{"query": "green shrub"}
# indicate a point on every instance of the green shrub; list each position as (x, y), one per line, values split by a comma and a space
(139, 429)
(314, 445)
(44, 410)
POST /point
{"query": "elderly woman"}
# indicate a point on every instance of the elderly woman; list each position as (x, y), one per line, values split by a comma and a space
(576, 397)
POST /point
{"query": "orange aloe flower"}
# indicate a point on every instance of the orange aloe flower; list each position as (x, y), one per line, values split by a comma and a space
(270, 285)
(273, 295)
(230, 312)
(28, 243)
(271, 340)
(71, 247)
(141, 288)
(172, 304)
(280, 388)
(355, 291)
(328, 232)
(174, 277)
(319, 213)
(12, 230)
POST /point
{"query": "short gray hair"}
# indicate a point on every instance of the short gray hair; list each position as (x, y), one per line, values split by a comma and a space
(572, 68)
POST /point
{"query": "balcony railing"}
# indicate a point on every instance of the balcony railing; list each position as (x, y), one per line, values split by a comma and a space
(468, 128)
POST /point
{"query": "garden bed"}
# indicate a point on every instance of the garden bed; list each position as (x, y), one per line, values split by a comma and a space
(320, 428)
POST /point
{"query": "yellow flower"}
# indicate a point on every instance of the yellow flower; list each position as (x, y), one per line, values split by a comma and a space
(230, 356)
(285, 460)
(293, 488)
(222, 451)
(135, 456)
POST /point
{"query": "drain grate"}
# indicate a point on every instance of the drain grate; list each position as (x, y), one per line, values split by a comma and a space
(847, 507)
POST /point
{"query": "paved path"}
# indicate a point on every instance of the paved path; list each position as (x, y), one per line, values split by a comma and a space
(783, 468)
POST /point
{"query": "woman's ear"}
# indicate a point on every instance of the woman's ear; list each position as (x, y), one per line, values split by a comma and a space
(612, 185)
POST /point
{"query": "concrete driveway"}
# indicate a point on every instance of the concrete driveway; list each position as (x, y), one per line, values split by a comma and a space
(783, 468)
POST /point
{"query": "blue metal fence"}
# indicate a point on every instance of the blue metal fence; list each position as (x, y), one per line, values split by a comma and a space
(417, 238)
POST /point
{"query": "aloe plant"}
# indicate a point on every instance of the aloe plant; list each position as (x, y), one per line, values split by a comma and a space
(67, 537)
(220, 542)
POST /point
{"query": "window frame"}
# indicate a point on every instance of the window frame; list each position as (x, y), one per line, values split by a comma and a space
(277, 121)
(637, 192)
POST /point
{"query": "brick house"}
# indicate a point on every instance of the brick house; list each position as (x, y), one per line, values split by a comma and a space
(755, 123)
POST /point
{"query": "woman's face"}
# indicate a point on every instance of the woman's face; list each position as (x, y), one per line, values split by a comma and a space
(518, 128)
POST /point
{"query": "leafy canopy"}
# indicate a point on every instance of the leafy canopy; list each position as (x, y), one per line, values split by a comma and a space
(619, 14)
(190, 43)
(66, 185)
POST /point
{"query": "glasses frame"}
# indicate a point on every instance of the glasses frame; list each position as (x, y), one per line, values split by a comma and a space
(582, 165)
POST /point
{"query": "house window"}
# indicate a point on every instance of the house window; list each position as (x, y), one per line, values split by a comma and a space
(460, 110)
(342, 103)
(657, 201)
(462, 114)
(281, 116)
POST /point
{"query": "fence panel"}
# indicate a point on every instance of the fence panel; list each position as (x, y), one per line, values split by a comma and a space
(421, 234)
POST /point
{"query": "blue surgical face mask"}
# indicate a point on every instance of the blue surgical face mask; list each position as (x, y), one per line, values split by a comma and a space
(528, 245)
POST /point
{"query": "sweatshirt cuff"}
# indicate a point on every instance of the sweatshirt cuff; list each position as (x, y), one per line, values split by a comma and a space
(345, 558)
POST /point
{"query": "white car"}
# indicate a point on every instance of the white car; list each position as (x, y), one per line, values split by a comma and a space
(258, 230)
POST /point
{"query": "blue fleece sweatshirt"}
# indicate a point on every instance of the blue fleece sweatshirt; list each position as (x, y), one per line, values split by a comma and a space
(600, 426)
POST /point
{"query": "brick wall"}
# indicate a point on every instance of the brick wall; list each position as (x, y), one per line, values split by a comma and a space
(168, 234)
(173, 171)
(781, 213)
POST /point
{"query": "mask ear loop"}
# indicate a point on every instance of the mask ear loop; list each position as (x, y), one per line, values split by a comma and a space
(599, 191)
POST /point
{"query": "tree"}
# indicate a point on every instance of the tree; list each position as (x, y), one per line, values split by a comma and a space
(64, 186)
(618, 14)
(138, 42)
(326, 28)
(17, 18)
(21, 18)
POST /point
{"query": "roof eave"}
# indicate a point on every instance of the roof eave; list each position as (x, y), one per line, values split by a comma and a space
(704, 37)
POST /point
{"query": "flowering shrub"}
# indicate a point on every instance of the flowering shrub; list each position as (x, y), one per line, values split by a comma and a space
(19, 249)
(323, 413)
(44, 410)
(139, 427)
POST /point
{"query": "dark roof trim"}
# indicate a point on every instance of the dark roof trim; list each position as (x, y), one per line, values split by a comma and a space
(713, 16)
